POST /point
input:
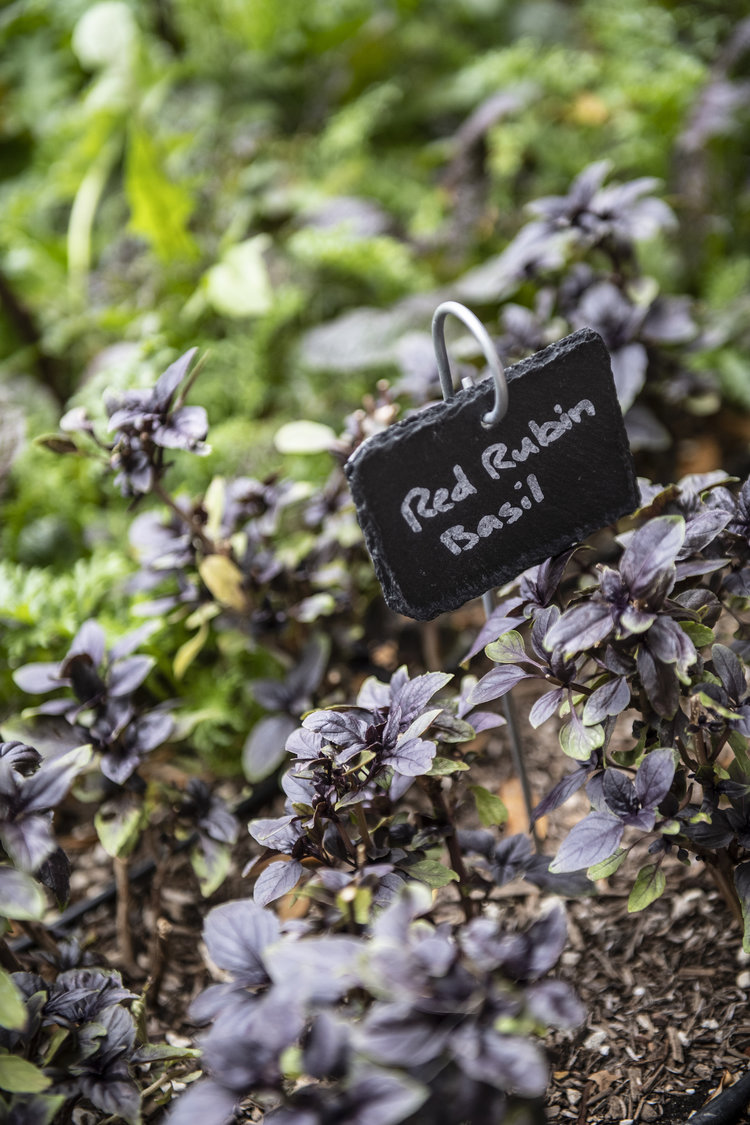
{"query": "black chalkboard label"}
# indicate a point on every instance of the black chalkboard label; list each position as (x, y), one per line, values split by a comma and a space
(450, 509)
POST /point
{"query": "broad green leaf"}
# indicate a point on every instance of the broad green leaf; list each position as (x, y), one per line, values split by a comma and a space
(699, 634)
(432, 872)
(159, 208)
(224, 580)
(187, 652)
(12, 1006)
(509, 649)
(578, 741)
(211, 865)
(118, 826)
(444, 767)
(304, 437)
(490, 808)
(649, 885)
(239, 284)
(20, 897)
(19, 1076)
(607, 867)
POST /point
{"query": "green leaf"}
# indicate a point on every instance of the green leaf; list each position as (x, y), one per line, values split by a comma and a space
(187, 652)
(159, 208)
(444, 767)
(649, 885)
(608, 866)
(20, 897)
(19, 1076)
(12, 1007)
(304, 437)
(738, 743)
(490, 808)
(699, 634)
(118, 826)
(224, 580)
(578, 741)
(239, 284)
(211, 865)
(432, 872)
(509, 649)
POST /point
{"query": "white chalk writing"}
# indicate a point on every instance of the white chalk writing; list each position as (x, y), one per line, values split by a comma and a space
(429, 504)
(458, 539)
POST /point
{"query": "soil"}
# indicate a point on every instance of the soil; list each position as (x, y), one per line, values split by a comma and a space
(665, 990)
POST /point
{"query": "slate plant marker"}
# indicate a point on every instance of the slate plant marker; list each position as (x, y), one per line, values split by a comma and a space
(451, 506)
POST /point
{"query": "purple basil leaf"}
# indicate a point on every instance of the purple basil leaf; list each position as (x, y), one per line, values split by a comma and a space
(278, 879)
(608, 699)
(206, 1101)
(382, 1098)
(560, 793)
(498, 682)
(643, 819)
(412, 757)
(170, 380)
(718, 834)
(544, 619)
(546, 938)
(27, 841)
(55, 874)
(24, 759)
(702, 530)
(394, 1032)
(305, 744)
(660, 683)
(581, 627)
(593, 839)
(128, 674)
(306, 675)
(265, 746)
(730, 671)
(546, 706)
(510, 858)
(567, 884)
(113, 1095)
(133, 640)
(654, 778)
(344, 728)
(555, 1004)
(38, 678)
(648, 560)
(275, 832)
(327, 1047)
(619, 793)
(236, 935)
(89, 641)
(695, 567)
(484, 720)
(153, 729)
(316, 970)
(47, 787)
(414, 696)
(671, 644)
(539, 584)
(508, 1062)
(478, 840)
(496, 624)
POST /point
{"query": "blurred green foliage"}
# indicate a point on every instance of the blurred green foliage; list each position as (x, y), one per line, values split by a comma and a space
(236, 173)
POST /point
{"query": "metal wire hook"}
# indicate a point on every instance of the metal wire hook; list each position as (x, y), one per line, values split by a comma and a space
(481, 335)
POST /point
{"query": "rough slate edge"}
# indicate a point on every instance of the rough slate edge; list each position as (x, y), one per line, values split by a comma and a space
(482, 393)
